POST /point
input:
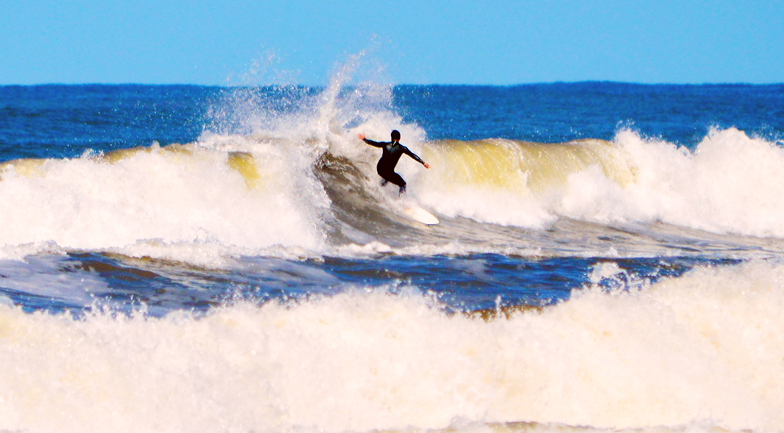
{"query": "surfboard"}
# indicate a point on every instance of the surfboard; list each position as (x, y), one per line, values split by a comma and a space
(420, 215)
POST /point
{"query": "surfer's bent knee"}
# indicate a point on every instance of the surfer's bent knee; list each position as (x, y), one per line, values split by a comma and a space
(392, 177)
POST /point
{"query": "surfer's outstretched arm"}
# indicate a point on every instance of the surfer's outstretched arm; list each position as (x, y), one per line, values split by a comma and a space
(414, 156)
(370, 142)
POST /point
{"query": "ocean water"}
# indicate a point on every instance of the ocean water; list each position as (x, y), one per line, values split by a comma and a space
(224, 259)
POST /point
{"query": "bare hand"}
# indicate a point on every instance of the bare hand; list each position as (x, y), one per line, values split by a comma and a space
(361, 136)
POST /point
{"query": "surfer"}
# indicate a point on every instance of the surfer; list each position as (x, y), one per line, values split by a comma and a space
(393, 150)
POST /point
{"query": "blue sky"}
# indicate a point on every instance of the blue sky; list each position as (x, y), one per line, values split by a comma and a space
(406, 41)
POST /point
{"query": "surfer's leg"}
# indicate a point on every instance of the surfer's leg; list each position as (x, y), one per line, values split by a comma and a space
(391, 176)
(397, 180)
(385, 173)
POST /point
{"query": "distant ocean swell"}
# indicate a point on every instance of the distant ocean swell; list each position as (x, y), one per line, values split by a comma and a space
(697, 352)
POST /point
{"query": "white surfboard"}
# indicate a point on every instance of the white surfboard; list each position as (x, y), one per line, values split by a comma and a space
(420, 215)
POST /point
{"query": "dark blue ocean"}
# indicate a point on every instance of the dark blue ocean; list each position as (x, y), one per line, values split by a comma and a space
(187, 258)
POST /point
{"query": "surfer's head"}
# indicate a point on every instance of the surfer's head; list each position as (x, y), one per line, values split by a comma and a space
(395, 135)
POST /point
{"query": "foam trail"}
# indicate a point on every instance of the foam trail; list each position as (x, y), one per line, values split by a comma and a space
(43, 276)
(702, 349)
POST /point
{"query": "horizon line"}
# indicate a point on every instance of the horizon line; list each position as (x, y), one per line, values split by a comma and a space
(739, 83)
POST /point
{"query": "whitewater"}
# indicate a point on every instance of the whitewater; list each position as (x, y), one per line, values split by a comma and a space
(195, 259)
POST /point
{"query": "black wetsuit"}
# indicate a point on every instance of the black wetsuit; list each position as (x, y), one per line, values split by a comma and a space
(393, 150)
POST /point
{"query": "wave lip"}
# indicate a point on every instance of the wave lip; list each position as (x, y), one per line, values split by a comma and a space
(728, 184)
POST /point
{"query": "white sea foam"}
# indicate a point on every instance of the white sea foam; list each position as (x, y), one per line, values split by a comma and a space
(166, 197)
(729, 184)
(704, 349)
(453, 248)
